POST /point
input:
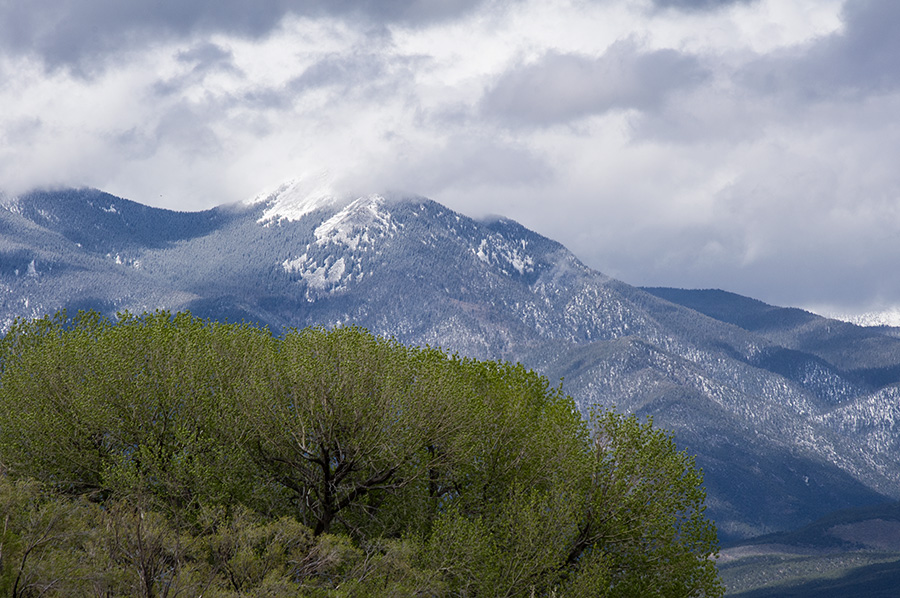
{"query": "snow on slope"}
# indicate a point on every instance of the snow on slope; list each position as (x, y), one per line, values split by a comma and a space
(295, 198)
(358, 224)
(355, 229)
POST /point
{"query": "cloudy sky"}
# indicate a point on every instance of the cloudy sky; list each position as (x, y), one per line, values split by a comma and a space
(749, 145)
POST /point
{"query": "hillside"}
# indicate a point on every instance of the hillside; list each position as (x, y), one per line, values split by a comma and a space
(791, 416)
(848, 553)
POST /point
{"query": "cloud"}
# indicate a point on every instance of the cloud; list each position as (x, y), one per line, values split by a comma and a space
(206, 55)
(203, 59)
(858, 60)
(85, 35)
(697, 5)
(796, 204)
(558, 88)
(470, 160)
(408, 12)
(342, 70)
(865, 55)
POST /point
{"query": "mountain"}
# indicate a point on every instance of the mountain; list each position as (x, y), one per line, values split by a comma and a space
(791, 416)
(848, 553)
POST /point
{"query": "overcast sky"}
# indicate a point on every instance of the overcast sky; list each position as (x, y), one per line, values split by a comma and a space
(749, 145)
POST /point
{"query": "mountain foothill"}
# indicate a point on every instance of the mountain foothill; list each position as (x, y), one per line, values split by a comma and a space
(791, 416)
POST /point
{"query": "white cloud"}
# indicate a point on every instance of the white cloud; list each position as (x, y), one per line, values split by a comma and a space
(561, 88)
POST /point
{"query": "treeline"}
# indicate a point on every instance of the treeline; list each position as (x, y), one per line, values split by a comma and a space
(163, 455)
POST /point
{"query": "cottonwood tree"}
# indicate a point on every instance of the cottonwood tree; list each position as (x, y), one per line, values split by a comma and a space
(390, 466)
(343, 420)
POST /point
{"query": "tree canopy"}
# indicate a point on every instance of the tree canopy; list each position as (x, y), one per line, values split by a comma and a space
(159, 455)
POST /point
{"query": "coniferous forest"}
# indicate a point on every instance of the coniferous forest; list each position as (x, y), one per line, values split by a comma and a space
(164, 455)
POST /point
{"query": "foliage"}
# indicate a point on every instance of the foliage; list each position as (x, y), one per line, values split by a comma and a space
(163, 455)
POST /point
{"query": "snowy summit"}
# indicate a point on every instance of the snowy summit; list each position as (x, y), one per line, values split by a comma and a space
(296, 197)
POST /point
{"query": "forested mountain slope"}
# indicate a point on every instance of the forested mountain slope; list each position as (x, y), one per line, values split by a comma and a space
(791, 416)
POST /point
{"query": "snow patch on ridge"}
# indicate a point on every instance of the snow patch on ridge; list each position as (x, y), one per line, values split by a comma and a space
(360, 223)
(355, 230)
(295, 198)
(321, 278)
(501, 253)
(10, 202)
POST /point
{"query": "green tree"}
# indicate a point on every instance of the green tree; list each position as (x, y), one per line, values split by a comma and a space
(36, 538)
(326, 463)
(130, 407)
(644, 508)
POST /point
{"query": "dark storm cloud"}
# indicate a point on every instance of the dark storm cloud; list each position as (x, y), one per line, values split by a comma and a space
(866, 56)
(84, 34)
(411, 12)
(861, 59)
(560, 88)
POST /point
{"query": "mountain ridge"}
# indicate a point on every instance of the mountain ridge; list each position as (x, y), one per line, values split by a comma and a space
(788, 421)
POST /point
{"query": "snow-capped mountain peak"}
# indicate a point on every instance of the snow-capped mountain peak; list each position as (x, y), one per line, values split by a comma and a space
(296, 198)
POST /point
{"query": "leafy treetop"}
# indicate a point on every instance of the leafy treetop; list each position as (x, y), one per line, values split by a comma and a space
(324, 463)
